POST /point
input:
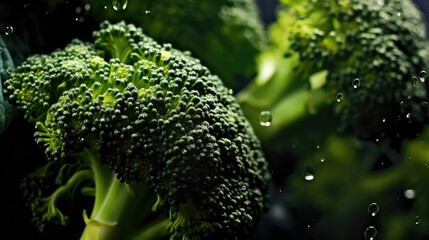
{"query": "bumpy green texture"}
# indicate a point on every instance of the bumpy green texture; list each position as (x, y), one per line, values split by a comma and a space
(150, 128)
(353, 58)
(225, 34)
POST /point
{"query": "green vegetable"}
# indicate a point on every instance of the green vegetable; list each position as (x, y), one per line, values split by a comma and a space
(147, 130)
(352, 64)
(225, 34)
(345, 184)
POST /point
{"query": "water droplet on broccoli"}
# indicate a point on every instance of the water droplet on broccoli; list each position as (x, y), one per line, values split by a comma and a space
(119, 4)
(423, 76)
(373, 209)
(417, 219)
(410, 194)
(356, 83)
(414, 80)
(370, 233)
(340, 97)
(9, 30)
(265, 118)
(408, 115)
(147, 11)
(322, 159)
(308, 174)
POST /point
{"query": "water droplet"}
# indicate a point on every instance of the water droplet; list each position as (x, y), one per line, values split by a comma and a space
(383, 120)
(423, 76)
(408, 115)
(356, 83)
(147, 11)
(265, 118)
(87, 7)
(76, 19)
(322, 159)
(370, 233)
(308, 174)
(317, 146)
(105, 7)
(417, 219)
(414, 80)
(231, 91)
(9, 30)
(340, 97)
(410, 194)
(119, 4)
(373, 209)
(398, 14)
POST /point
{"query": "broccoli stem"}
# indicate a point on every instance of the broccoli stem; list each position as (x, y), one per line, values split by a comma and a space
(154, 231)
(289, 90)
(118, 212)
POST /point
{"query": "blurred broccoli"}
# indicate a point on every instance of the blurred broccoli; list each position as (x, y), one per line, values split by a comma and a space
(358, 66)
(148, 131)
(335, 204)
(225, 34)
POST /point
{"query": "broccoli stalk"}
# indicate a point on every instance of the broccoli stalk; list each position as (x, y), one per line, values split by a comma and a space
(325, 62)
(145, 129)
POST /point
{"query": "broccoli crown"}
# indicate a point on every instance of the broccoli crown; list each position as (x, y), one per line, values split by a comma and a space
(371, 50)
(225, 34)
(154, 115)
(364, 57)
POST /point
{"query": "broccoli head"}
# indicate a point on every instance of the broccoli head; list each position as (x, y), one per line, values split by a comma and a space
(362, 60)
(146, 129)
(225, 34)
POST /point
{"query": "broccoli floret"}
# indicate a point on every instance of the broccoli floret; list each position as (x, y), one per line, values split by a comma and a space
(225, 34)
(149, 131)
(357, 60)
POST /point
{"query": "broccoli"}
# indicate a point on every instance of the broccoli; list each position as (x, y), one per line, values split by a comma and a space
(148, 131)
(358, 64)
(225, 34)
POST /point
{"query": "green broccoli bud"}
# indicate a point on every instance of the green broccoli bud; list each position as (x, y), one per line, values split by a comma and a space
(154, 129)
(352, 59)
(225, 34)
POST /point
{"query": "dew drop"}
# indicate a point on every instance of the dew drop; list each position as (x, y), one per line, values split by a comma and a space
(265, 118)
(339, 97)
(119, 4)
(414, 80)
(408, 115)
(410, 194)
(356, 83)
(423, 76)
(147, 11)
(308, 174)
(373, 209)
(322, 159)
(383, 120)
(105, 7)
(9, 30)
(417, 219)
(370, 233)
